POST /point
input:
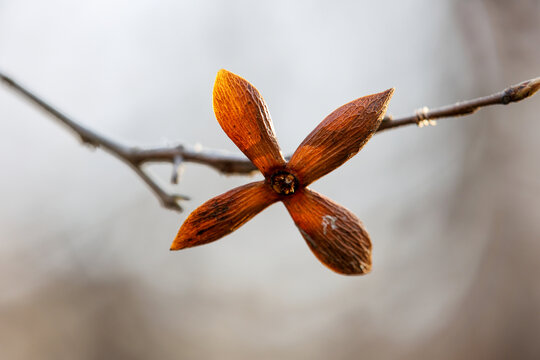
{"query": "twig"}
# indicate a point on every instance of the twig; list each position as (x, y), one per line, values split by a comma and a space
(176, 169)
(136, 157)
(424, 116)
(237, 164)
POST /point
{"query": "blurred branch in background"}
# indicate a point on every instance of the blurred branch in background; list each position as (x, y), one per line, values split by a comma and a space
(230, 164)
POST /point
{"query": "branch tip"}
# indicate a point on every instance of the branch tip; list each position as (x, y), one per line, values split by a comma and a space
(523, 90)
(172, 201)
(179, 197)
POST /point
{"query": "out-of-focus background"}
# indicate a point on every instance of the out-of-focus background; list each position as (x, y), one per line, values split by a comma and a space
(453, 210)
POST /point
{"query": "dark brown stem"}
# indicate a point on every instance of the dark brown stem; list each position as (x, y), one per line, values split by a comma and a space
(238, 164)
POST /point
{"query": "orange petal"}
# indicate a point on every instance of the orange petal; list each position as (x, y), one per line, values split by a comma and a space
(223, 214)
(338, 137)
(334, 234)
(242, 113)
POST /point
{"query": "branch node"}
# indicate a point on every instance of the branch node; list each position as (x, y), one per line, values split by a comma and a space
(507, 98)
(422, 117)
(88, 142)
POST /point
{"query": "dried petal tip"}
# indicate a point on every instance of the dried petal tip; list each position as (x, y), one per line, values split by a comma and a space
(339, 136)
(333, 233)
(379, 102)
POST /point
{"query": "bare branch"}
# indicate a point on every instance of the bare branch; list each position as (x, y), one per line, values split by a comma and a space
(130, 156)
(423, 116)
(221, 161)
(237, 164)
(168, 201)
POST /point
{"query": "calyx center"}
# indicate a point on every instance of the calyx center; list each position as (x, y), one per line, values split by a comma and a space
(284, 183)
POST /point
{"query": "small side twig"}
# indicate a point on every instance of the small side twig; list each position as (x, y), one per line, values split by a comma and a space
(177, 168)
(237, 164)
(135, 157)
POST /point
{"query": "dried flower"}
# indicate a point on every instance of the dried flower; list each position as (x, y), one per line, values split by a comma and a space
(334, 234)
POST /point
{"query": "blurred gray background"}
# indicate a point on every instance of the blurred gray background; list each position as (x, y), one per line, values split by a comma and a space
(453, 210)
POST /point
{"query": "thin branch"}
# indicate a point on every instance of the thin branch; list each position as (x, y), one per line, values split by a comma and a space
(169, 201)
(136, 157)
(424, 116)
(236, 164)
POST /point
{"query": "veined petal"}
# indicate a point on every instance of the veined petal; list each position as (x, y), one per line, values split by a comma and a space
(242, 113)
(334, 234)
(339, 137)
(223, 214)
